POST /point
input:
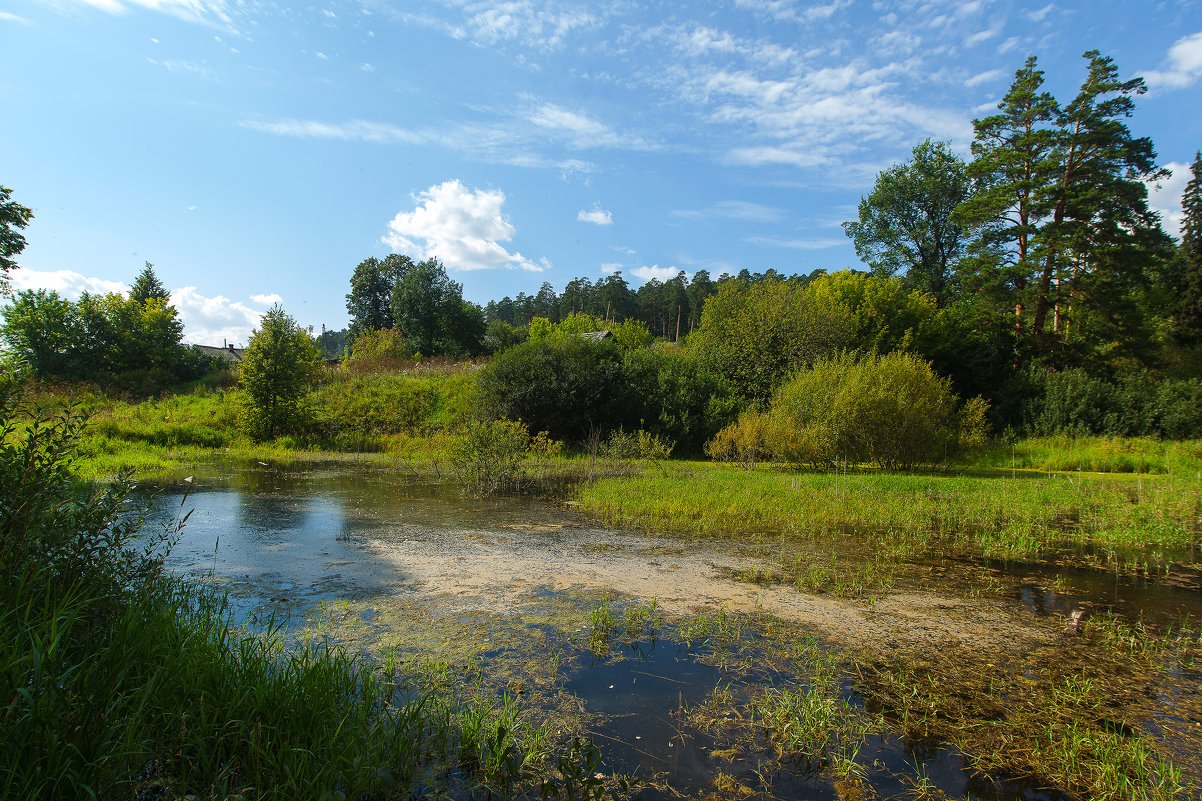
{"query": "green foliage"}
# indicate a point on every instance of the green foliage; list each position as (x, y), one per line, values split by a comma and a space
(13, 218)
(677, 396)
(124, 343)
(380, 349)
(1072, 402)
(147, 286)
(372, 405)
(369, 302)
(631, 334)
(1189, 257)
(488, 457)
(279, 367)
(888, 315)
(891, 410)
(743, 442)
(122, 681)
(1065, 237)
(429, 309)
(756, 335)
(906, 225)
(332, 344)
(567, 387)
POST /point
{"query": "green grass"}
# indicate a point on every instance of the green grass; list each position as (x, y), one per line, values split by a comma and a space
(997, 513)
(120, 680)
(1095, 455)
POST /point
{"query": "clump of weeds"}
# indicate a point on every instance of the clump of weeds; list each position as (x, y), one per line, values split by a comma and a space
(1071, 716)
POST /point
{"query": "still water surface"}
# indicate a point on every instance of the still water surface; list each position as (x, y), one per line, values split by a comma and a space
(281, 540)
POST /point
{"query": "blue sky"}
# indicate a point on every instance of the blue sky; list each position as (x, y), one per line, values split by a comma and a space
(257, 151)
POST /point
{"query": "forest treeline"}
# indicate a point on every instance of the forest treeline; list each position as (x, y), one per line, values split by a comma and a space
(1033, 275)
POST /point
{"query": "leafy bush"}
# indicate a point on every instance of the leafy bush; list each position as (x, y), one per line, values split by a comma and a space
(488, 457)
(567, 387)
(678, 398)
(379, 350)
(1073, 403)
(893, 411)
(743, 441)
(757, 335)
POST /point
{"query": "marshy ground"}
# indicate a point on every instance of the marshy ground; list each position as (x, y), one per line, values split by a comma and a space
(878, 662)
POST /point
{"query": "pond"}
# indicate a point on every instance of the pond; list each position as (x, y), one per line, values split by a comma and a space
(686, 667)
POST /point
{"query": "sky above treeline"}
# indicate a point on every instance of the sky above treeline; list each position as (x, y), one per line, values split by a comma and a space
(255, 152)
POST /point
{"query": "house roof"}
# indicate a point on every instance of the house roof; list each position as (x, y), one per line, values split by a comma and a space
(229, 353)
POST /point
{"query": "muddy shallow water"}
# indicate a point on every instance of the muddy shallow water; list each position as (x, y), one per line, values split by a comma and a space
(397, 561)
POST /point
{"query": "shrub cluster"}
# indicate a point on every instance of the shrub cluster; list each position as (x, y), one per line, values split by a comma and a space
(893, 411)
(573, 388)
(1074, 403)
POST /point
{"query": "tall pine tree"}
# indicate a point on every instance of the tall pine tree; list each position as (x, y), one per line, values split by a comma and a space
(1189, 254)
(1064, 227)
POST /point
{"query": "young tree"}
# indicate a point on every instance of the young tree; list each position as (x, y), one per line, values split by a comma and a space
(13, 217)
(147, 286)
(279, 367)
(370, 300)
(906, 223)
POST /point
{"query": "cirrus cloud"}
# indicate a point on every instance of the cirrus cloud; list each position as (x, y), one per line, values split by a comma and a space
(463, 227)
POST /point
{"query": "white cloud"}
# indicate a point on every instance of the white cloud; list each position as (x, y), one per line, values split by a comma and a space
(597, 216)
(66, 283)
(1039, 14)
(733, 210)
(355, 130)
(610, 267)
(984, 77)
(1166, 199)
(527, 23)
(211, 321)
(267, 300)
(463, 227)
(7, 17)
(367, 67)
(980, 36)
(322, 56)
(655, 271)
(1010, 44)
(1183, 64)
(205, 12)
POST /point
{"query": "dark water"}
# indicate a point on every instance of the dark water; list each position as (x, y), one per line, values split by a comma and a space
(280, 539)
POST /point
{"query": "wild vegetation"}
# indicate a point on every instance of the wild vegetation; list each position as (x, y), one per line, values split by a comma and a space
(1018, 378)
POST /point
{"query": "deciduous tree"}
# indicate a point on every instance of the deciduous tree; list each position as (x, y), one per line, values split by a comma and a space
(906, 225)
(13, 218)
(369, 302)
(279, 367)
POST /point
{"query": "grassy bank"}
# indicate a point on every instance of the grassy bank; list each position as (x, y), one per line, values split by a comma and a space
(999, 513)
(121, 680)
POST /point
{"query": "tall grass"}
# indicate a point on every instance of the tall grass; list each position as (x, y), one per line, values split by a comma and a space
(1095, 455)
(121, 680)
(1002, 514)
